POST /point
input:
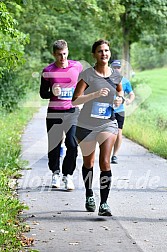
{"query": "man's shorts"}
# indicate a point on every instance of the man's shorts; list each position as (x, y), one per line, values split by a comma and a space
(120, 117)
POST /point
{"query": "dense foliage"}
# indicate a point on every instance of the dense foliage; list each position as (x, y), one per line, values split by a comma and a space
(12, 39)
(28, 29)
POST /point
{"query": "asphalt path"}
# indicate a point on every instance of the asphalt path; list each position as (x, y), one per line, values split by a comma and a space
(58, 220)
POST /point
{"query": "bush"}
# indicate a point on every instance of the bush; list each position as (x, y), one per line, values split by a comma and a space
(12, 90)
(147, 57)
(14, 85)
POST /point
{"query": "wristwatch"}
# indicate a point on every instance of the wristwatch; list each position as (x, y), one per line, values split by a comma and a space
(123, 99)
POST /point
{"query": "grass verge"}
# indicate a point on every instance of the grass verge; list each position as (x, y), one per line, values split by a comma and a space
(147, 120)
(11, 227)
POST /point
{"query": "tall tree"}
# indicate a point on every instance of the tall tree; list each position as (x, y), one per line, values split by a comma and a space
(129, 21)
(148, 16)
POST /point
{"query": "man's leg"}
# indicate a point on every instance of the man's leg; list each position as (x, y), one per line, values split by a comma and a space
(69, 162)
(120, 119)
(118, 142)
(54, 131)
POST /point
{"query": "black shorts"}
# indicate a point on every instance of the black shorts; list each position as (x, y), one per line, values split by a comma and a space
(82, 133)
(120, 117)
(91, 134)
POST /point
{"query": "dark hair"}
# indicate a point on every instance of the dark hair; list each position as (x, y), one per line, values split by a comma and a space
(99, 42)
(59, 45)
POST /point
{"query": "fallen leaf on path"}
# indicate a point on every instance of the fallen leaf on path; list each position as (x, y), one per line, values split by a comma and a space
(35, 223)
(27, 228)
(25, 241)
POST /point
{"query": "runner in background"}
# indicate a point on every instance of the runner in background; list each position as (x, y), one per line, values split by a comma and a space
(120, 111)
(58, 83)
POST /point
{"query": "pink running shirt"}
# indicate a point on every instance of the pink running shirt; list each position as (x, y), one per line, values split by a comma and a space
(67, 79)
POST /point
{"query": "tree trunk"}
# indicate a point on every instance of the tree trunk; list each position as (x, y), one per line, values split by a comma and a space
(126, 69)
(126, 58)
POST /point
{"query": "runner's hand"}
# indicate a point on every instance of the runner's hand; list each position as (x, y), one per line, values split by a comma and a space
(56, 89)
(118, 101)
(102, 92)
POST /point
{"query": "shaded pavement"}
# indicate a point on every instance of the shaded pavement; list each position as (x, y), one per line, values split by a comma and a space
(58, 220)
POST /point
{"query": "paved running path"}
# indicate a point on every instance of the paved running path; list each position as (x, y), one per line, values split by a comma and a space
(58, 220)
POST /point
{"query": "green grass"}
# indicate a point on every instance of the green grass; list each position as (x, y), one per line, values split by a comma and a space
(147, 125)
(11, 227)
(157, 80)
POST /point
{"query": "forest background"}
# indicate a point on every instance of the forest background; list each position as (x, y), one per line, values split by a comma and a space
(137, 32)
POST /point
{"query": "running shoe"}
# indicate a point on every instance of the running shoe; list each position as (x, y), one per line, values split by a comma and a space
(104, 210)
(90, 204)
(68, 182)
(114, 160)
(55, 180)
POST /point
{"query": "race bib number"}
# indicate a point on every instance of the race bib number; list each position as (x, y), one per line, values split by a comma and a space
(101, 110)
(66, 94)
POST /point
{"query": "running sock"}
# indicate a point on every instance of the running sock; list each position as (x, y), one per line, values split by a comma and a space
(105, 184)
(87, 175)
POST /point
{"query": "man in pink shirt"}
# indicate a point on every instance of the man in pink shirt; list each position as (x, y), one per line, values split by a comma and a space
(58, 83)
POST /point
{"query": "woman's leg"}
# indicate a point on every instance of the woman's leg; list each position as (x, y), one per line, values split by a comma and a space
(106, 142)
(87, 174)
